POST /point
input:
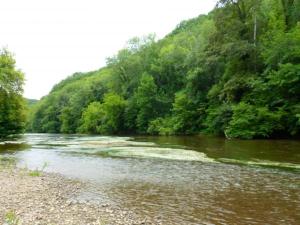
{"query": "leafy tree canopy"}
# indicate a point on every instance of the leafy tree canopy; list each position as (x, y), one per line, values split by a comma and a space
(233, 72)
(12, 104)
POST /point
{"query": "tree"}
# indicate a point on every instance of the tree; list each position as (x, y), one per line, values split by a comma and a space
(12, 104)
(291, 12)
(186, 114)
(146, 102)
(250, 121)
(232, 72)
(91, 118)
(113, 114)
(106, 117)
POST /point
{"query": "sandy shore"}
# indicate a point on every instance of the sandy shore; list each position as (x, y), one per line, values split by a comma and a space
(46, 200)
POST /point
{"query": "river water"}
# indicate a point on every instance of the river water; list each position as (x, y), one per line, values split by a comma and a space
(180, 180)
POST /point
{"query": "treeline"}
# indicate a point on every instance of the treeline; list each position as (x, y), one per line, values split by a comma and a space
(12, 104)
(234, 72)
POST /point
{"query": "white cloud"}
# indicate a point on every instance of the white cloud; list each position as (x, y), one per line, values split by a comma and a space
(52, 39)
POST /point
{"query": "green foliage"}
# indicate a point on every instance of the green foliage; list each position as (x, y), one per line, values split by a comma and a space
(146, 102)
(38, 172)
(161, 126)
(233, 72)
(283, 47)
(91, 118)
(250, 121)
(218, 118)
(106, 117)
(34, 173)
(286, 80)
(12, 104)
(113, 114)
(187, 115)
(11, 218)
(62, 109)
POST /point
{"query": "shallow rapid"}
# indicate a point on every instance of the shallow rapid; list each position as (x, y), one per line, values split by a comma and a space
(181, 180)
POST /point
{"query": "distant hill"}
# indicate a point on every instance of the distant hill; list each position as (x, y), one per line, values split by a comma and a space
(31, 102)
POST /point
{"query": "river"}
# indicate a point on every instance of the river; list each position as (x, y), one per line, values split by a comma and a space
(181, 180)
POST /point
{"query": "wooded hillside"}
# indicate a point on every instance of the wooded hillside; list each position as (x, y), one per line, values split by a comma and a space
(234, 72)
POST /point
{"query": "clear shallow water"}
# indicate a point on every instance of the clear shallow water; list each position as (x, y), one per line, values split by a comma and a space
(182, 180)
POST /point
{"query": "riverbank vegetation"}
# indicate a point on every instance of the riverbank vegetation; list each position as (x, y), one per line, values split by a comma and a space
(234, 72)
(12, 104)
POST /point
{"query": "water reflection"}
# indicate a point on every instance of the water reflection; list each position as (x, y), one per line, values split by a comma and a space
(284, 151)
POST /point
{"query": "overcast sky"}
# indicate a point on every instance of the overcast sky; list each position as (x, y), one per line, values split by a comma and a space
(52, 39)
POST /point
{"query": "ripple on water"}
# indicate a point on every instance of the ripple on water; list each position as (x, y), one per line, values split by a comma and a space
(266, 163)
(187, 188)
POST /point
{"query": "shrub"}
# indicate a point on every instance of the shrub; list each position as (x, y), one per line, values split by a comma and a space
(161, 126)
(218, 118)
(250, 121)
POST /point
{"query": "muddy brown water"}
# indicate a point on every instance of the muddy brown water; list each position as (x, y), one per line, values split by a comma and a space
(180, 180)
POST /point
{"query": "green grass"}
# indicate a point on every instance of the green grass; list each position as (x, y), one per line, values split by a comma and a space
(35, 173)
(38, 172)
(11, 218)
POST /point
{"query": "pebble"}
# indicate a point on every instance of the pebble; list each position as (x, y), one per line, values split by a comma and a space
(51, 199)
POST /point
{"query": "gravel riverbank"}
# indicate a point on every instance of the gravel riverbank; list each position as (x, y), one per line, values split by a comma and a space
(46, 199)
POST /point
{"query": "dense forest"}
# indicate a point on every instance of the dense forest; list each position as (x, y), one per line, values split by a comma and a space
(234, 72)
(12, 104)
